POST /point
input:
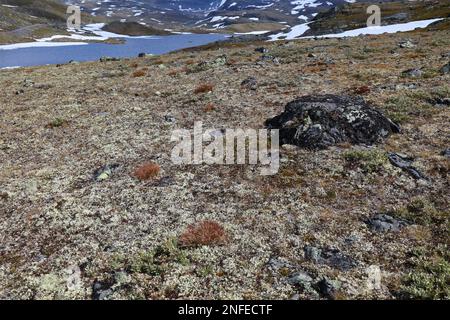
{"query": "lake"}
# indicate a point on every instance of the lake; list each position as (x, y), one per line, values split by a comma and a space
(35, 55)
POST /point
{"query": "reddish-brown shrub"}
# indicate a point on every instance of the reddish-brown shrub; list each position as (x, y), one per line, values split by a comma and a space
(173, 72)
(204, 233)
(139, 73)
(203, 88)
(147, 171)
(361, 90)
(209, 107)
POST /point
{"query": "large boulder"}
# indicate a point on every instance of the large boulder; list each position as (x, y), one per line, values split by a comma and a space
(320, 121)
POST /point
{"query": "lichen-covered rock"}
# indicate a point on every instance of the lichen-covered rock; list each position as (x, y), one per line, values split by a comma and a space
(330, 257)
(320, 121)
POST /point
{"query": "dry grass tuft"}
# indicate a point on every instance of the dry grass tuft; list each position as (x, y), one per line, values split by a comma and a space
(147, 171)
(204, 233)
(203, 88)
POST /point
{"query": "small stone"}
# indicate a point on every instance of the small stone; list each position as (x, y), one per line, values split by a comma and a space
(169, 118)
(27, 83)
(328, 288)
(250, 83)
(406, 44)
(295, 296)
(101, 291)
(330, 257)
(445, 69)
(312, 253)
(300, 279)
(121, 277)
(107, 59)
(144, 55)
(446, 153)
(405, 163)
(412, 73)
(105, 172)
(385, 223)
(276, 264)
(261, 50)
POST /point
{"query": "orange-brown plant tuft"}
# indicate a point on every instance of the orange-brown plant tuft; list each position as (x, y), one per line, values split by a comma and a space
(173, 72)
(147, 171)
(209, 107)
(203, 88)
(204, 233)
(139, 73)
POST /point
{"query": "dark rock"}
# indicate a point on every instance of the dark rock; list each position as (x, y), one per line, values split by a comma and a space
(412, 73)
(169, 118)
(250, 83)
(261, 50)
(405, 163)
(107, 59)
(446, 153)
(311, 55)
(269, 58)
(438, 101)
(266, 57)
(330, 257)
(317, 122)
(165, 182)
(385, 223)
(20, 91)
(445, 69)
(328, 288)
(101, 290)
(398, 17)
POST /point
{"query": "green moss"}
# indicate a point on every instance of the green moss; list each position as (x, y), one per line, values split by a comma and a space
(56, 123)
(368, 160)
(205, 271)
(423, 212)
(428, 280)
(158, 260)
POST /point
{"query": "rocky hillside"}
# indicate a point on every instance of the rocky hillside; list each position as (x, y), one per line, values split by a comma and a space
(354, 16)
(92, 207)
(26, 20)
(219, 15)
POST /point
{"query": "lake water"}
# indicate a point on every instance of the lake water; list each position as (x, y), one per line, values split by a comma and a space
(34, 56)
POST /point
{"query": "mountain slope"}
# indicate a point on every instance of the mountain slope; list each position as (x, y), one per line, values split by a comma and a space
(25, 20)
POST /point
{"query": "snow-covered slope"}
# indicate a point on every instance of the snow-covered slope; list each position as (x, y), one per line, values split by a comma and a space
(316, 17)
